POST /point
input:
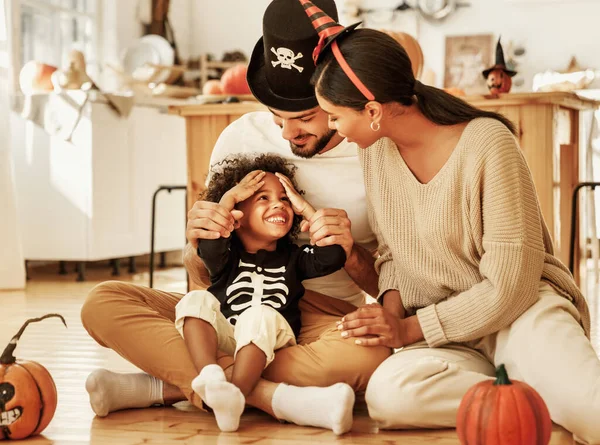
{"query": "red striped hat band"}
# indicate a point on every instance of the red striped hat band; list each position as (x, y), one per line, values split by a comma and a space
(326, 27)
(350, 73)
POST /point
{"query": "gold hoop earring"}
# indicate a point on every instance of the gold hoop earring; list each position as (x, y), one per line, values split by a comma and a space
(375, 126)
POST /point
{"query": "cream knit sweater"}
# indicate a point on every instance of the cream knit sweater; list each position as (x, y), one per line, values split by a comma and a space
(468, 250)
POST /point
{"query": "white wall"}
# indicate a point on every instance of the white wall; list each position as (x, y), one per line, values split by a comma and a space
(12, 266)
(551, 31)
(217, 30)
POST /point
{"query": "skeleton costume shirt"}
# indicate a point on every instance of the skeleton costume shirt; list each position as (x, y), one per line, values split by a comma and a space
(240, 279)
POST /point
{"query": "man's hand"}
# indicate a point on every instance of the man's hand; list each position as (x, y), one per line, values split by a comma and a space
(209, 220)
(299, 204)
(328, 227)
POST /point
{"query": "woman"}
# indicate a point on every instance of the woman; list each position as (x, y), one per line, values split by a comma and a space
(468, 277)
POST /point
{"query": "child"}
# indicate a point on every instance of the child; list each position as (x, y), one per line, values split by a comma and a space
(251, 308)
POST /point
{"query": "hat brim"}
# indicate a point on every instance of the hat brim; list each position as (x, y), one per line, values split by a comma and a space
(257, 80)
(338, 37)
(498, 67)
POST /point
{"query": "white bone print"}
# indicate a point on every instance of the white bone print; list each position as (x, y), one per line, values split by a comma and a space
(253, 283)
(286, 58)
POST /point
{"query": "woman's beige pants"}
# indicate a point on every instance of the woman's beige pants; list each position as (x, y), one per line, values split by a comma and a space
(421, 387)
(138, 323)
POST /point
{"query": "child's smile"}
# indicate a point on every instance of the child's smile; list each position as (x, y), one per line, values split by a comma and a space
(268, 216)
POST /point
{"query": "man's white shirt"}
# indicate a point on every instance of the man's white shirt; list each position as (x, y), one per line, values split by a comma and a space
(333, 179)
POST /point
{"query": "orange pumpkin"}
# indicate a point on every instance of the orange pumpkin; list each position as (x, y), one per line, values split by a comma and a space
(412, 48)
(233, 80)
(498, 82)
(502, 412)
(27, 392)
(36, 77)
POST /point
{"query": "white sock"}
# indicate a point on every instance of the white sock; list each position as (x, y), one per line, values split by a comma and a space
(225, 399)
(111, 391)
(329, 407)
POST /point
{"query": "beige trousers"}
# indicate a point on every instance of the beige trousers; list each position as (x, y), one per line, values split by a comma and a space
(138, 323)
(421, 387)
(261, 325)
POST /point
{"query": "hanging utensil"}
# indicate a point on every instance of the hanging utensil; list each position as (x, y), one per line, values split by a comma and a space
(438, 10)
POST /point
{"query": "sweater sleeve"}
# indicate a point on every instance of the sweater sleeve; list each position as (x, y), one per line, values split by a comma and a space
(507, 227)
(384, 264)
(215, 254)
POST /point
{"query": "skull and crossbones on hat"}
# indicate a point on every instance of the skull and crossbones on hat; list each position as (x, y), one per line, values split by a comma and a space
(286, 58)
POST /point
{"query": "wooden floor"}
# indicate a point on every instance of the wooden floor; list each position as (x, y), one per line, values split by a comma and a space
(70, 355)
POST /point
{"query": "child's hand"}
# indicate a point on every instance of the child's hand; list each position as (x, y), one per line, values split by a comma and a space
(299, 204)
(247, 187)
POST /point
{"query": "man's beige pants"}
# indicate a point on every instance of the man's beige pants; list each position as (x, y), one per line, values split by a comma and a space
(138, 323)
(421, 387)
(261, 325)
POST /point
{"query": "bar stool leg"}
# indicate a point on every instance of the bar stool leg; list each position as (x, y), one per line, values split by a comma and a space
(168, 188)
(80, 270)
(116, 265)
(132, 268)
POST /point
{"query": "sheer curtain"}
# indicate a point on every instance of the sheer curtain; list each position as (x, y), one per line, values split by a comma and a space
(12, 265)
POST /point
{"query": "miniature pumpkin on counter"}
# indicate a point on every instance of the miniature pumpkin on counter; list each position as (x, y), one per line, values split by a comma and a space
(502, 412)
(27, 392)
(498, 82)
(498, 77)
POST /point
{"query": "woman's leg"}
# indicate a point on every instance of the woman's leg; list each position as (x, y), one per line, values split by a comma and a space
(547, 348)
(421, 387)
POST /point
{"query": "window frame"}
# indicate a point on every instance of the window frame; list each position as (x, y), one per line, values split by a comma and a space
(14, 23)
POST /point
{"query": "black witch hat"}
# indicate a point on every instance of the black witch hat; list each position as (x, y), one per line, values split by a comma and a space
(500, 63)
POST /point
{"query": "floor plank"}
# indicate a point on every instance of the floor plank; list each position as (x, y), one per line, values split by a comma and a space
(70, 355)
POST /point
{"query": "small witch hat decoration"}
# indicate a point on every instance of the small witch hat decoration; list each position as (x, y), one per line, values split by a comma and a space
(327, 28)
(500, 63)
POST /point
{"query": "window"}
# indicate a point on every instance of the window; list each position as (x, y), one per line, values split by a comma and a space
(47, 31)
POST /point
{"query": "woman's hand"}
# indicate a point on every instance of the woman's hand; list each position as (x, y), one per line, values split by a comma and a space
(299, 204)
(374, 325)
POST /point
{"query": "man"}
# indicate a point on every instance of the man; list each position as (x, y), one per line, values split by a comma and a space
(137, 322)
